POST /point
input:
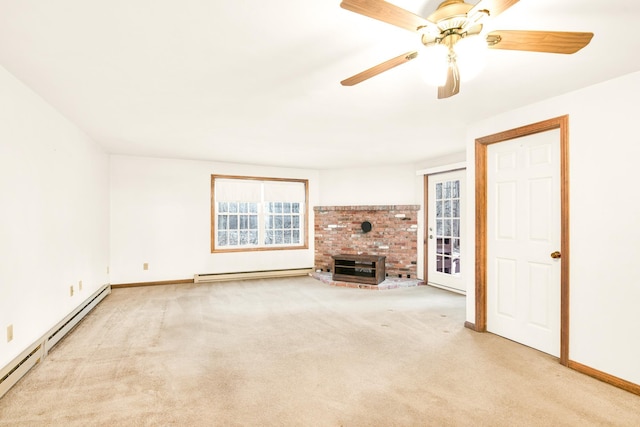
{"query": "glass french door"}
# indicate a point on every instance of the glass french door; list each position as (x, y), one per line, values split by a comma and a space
(445, 259)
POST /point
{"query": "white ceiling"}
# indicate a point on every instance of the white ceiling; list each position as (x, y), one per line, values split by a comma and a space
(257, 81)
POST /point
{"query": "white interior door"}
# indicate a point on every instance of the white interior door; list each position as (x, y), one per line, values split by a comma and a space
(523, 230)
(446, 228)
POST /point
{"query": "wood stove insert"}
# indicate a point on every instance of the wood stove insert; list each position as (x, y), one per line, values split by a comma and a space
(358, 268)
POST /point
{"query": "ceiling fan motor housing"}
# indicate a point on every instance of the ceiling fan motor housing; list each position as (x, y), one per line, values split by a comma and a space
(453, 23)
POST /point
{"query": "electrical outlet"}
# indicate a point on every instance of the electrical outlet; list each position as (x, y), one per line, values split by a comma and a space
(145, 266)
(70, 291)
(9, 333)
(80, 285)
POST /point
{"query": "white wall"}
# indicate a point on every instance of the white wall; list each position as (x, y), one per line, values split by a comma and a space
(54, 225)
(384, 185)
(161, 215)
(605, 207)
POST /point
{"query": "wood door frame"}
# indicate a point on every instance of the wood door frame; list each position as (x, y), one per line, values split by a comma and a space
(481, 145)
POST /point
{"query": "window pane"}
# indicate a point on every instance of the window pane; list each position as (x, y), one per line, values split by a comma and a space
(253, 207)
(447, 227)
(295, 222)
(233, 238)
(253, 222)
(233, 222)
(439, 190)
(222, 238)
(233, 207)
(295, 236)
(287, 236)
(268, 238)
(439, 209)
(286, 207)
(447, 208)
(295, 207)
(244, 222)
(456, 228)
(253, 237)
(455, 211)
(244, 237)
(277, 223)
(244, 207)
(439, 227)
(279, 237)
(286, 222)
(223, 222)
(223, 207)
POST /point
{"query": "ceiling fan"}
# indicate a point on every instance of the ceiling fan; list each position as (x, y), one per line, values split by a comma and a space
(450, 33)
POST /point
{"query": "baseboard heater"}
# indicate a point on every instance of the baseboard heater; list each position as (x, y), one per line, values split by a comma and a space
(18, 367)
(70, 321)
(265, 274)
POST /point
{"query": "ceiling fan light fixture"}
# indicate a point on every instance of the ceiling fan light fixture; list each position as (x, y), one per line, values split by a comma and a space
(435, 63)
(471, 55)
(454, 48)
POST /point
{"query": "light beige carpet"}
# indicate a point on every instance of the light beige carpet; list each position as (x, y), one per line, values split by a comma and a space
(297, 352)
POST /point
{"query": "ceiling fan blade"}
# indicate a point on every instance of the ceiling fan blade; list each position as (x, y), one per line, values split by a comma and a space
(452, 86)
(539, 41)
(493, 7)
(389, 13)
(380, 68)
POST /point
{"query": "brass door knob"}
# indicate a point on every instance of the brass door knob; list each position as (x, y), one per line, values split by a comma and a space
(556, 255)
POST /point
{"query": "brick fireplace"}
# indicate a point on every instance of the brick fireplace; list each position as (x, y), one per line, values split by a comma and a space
(393, 232)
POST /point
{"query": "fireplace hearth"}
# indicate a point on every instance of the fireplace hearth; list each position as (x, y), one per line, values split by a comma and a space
(387, 284)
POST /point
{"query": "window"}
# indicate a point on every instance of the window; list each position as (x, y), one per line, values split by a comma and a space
(250, 213)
